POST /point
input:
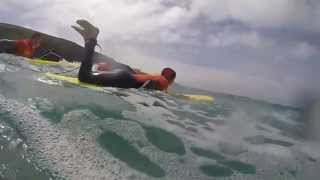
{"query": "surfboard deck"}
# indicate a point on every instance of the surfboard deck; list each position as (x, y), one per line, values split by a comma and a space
(197, 97)
(53, 63)
(75, 81)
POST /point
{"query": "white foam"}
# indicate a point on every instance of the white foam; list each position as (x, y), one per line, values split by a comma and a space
(274, 150)
(49, 81)
(52, 148)
(2, 67)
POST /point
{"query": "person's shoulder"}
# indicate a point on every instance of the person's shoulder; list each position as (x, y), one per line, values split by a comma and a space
(163, 79)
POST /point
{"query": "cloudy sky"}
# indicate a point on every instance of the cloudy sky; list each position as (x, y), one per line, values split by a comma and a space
(266, 49)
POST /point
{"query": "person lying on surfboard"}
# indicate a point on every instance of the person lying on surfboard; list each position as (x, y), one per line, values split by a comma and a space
(22, 47)
(122, 76)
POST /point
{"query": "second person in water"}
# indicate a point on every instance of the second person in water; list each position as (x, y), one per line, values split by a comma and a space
(22, 47)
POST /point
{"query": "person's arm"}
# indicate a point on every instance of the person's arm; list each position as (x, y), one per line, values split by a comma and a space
(152, 84)
(138, 71)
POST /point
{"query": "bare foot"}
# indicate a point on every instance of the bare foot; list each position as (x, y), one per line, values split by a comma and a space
(86, 29)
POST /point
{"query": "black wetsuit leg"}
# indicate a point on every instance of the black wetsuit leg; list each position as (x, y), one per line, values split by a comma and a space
(115, 78)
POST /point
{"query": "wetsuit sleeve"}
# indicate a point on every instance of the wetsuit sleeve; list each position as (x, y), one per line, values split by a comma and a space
(7, 46)
(151, 84)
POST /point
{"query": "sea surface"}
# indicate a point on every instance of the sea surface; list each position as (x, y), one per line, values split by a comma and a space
(54, 130)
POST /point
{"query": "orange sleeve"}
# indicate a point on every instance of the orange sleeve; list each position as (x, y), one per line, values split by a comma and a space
(162, 83)
(24, 48)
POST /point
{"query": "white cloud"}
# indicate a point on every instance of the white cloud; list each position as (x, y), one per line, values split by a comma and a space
(4, 7)
(298, 52)
(263, 13)
(122, 19)
(304, 50)
(129, 19)
(230, 38)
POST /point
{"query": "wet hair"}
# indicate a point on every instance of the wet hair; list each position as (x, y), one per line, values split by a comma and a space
(169, 73)
(36, 35)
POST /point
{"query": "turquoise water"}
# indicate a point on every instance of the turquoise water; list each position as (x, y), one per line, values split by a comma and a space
(53, 130)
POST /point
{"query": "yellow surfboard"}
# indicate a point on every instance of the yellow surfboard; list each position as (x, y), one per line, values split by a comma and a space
(197, 97)
(53, 63)
(75, 81)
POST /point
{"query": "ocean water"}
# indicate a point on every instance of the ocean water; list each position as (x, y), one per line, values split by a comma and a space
(53, 130)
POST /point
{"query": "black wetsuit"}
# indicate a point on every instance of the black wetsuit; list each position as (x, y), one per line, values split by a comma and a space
(122, 76)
